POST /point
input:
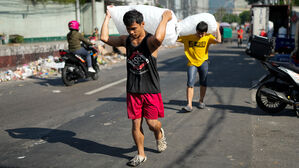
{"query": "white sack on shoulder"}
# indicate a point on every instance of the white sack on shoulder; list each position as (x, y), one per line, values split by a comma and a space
(151, 16)
(188, 25)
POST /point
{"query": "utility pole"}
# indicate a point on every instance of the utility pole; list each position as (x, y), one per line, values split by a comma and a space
(189, 7)
(94, 13)
(77, 10)
(167, 4)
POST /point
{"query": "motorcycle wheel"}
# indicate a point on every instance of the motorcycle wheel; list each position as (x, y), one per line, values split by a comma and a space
(95, 76)
(67, 75)
(269, 104)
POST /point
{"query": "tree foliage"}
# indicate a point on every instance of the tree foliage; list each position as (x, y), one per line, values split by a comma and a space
(295, 2)
(245, 17)
(280, 2)
(230, 18)
(220, 13)
(252, 1)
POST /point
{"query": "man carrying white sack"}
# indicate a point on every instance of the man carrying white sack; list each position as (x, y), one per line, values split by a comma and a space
(196, 50)
(143, 83)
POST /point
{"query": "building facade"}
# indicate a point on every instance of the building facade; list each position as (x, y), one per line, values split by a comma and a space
(139, 2)
(184, 8)
(240, 6)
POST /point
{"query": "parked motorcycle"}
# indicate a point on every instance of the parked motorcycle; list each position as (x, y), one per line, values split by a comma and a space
(278, 88)
(76, 66)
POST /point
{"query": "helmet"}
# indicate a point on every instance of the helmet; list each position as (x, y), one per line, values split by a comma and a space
(74, 25)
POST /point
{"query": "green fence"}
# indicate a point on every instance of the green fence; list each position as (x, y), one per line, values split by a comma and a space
(49, 39)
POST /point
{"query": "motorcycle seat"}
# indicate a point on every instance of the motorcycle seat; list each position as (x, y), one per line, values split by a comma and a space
(290, 66)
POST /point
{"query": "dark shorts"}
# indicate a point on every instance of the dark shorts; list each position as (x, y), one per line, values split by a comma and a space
(149, 106)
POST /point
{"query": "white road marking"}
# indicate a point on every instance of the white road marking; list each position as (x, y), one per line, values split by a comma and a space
(56, 91)
(108, 123)
(105, 87)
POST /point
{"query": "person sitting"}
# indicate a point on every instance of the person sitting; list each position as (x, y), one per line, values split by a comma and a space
(74, 38)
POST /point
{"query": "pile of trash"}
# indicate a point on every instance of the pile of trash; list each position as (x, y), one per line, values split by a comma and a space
(50, 67)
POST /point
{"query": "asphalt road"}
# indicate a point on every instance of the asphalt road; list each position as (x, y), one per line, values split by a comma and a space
(44, 124)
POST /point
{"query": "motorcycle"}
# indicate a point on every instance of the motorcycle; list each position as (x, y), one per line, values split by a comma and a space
(76, 66)
(278, 88)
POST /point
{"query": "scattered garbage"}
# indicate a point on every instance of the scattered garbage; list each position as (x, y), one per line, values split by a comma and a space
(49, 67)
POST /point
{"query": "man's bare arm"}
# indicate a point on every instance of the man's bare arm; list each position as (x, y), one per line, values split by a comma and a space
(111, 40)
(156, 40)
(218, 38)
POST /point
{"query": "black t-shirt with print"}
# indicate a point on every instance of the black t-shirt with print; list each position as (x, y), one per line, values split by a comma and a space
(142, 74)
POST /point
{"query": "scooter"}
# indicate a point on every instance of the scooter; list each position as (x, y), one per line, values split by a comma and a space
(76, 66)
(278, 88)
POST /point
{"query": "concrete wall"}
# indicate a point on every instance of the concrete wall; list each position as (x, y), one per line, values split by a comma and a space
(50, 20)
(100, 16)
(18, 17)
(16, 55)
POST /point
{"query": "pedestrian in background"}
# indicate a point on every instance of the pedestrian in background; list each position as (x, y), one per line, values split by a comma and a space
(263, 33)
(95, 34)
(240, 36)
(95, 39)
(221, 32)
(143, 84)
(196, 50)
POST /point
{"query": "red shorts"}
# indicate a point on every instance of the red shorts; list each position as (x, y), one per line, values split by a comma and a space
(149, 106)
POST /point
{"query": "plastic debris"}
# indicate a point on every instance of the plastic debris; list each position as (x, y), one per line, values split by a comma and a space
(49, 67)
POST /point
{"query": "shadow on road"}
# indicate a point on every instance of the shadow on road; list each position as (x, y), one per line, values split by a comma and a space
(251, 111)
(68, 138)
(57, 81)
(181, 103)
(213, 123)
(236, 47)
(229, 108)
(115, 99)
(48, 81)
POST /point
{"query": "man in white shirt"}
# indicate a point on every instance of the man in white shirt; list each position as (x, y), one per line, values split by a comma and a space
(282, 32)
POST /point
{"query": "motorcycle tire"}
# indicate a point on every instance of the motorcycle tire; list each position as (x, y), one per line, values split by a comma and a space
(95, 76)
(267, 104)
(67, 76)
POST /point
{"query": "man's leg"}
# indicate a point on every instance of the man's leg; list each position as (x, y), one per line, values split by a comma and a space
(190, 93)
(191, 74)
(203, 90)
(203, 77)
(156, 127)
(138, 135)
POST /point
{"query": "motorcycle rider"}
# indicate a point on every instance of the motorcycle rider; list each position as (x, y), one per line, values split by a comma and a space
(74, 38)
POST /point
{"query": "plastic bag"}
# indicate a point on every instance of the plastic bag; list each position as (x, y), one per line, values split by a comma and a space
(188, 25)
(151, 17)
